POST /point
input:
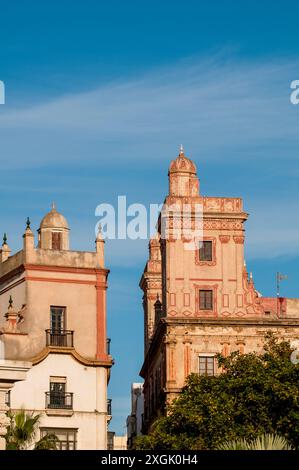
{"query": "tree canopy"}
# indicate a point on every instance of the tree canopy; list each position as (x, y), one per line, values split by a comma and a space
(21, 433)
(254, 395)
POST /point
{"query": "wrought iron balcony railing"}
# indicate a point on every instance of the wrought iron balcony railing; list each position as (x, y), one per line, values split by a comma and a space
(60, 338)
(7, 398)
(109, 407)
(59, 400)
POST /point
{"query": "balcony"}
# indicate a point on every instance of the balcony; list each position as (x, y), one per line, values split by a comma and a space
(60, 339)
(7, 398)
(59, 401)
(108, 343)
(109, 407)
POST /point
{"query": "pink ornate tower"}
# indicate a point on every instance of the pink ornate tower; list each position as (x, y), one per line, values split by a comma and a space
(208, 304)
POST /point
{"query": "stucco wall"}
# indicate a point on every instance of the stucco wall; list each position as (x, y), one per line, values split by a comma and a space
(15, 288)
(88, 385)
(79, 300)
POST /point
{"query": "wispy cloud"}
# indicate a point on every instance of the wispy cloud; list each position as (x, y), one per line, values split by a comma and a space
(227, 111)
(217, 106)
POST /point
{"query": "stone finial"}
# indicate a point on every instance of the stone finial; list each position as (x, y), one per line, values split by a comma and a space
(11, 317)
(53, 207)
(28, 241)
(100, 243)
(5, 250)
(100, 233)
(181, 150)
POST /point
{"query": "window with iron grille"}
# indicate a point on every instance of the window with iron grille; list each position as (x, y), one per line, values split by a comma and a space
(67, 438)
(206, 365)
(206, 300)
(206, 251)
(58, 397)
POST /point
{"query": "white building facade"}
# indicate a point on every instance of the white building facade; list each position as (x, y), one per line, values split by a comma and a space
(135, 419)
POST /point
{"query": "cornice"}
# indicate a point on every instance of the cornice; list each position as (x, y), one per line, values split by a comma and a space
(70, 351)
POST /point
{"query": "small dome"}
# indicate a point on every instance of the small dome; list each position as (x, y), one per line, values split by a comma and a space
(182, 164)
(54, 220)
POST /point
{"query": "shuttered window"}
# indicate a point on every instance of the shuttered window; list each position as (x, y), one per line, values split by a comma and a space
(56, 240)
(206, 365)
(206, 300)
(206, 251)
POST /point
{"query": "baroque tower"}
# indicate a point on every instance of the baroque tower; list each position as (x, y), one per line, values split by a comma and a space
(198, 298)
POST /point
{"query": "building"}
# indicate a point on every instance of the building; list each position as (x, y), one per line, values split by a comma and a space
(10, 373)
(53, 315)
(199, 302)
(116, 442)
(135, 419)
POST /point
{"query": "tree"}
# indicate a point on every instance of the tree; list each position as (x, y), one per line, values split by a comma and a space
(22, 431)
(254, 395)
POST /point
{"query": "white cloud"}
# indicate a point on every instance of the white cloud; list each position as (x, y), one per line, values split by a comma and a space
(215, 106)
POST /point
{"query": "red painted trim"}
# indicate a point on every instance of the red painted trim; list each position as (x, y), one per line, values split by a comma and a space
(15, 272)
(11, 286)
(65, 269)
(186, 300)
(240, 300)
(62, 269)
(225, 300)
(172, 299)
(101, 287)
(13, 333)
(61, 281)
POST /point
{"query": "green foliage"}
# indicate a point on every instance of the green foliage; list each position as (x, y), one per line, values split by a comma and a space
(264, 442)
(22, 430)
(48, 442)
(254, 395)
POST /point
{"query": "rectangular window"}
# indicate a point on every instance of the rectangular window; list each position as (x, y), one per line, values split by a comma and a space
(206, 365)
(206, 251)
(56, 240)
(67, 438)
(58, 397)
(206, 300)
(57, 319)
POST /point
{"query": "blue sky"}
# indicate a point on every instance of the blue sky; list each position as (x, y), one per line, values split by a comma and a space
(99, 96)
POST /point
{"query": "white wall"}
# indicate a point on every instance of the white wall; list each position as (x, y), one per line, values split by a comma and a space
(88, 385)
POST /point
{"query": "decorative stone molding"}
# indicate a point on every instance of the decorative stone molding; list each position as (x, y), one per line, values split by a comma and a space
(222, 204)
(223, 224)
(224, 238)
(88, 362)
(239, 239)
